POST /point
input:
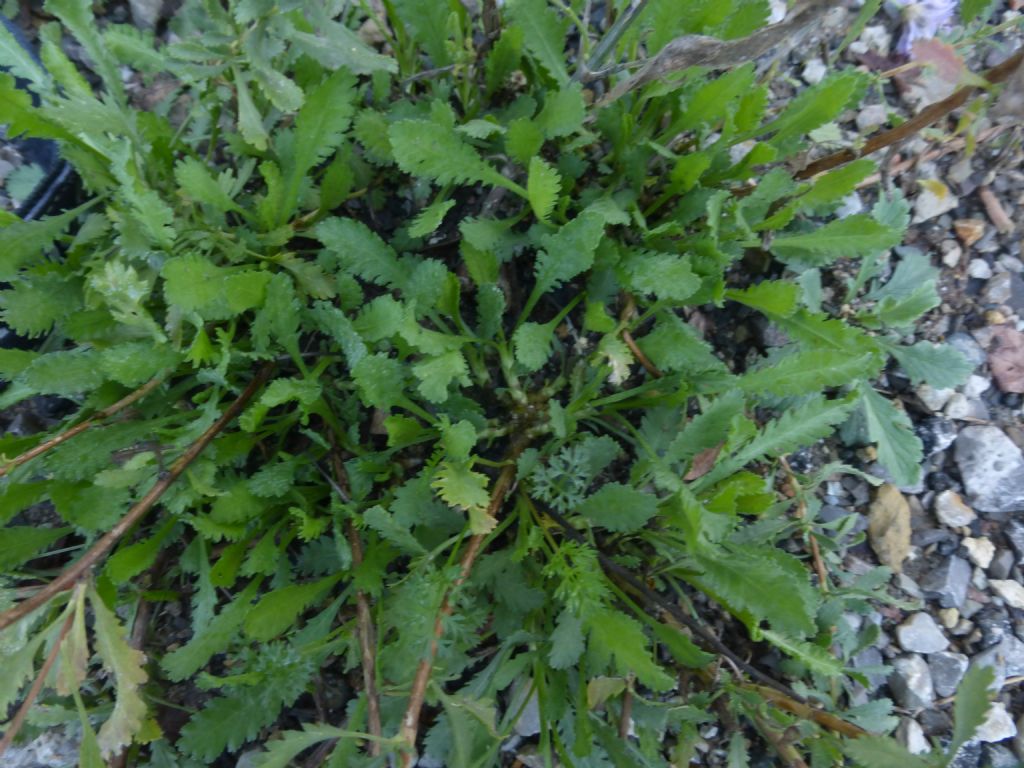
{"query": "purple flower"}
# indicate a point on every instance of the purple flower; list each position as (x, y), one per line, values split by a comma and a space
(922, 20)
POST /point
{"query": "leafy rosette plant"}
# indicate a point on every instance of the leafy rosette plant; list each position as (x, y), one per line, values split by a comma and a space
(386, 336)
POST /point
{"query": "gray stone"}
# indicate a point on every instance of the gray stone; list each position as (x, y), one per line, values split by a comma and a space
(53, 749)
(871, 116)
(814, 71)
(934, 399)
(997, 289)
(1013, 655)
(1001, 564)
(1010, 590)
(968, 756)
(998, 756)
(1014, 531)
(997, 726)
(920, 634)
(911, 735)
(992, 469)
(528, 723)
(979, 551)
(911, 682)
(961, 408)
(979, 269)
(968, 347)
(146, 13)
(951, 510)
(995, 658)
(947, 670)
(976, 386)
(947, 582)
(870, 662)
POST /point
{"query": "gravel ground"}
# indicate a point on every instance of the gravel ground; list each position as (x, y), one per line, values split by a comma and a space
(956, 541)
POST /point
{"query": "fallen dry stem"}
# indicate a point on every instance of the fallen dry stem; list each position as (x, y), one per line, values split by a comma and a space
(364, 618)
(78, 429)
(418, 692)
(37, 686)
(77, 569)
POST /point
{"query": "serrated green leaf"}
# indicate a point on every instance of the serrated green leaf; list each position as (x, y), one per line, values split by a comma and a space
(972, 704)
(774, 297)
(381, 381)
(971, 10)
(19, 60)
(436, 375)
(614, 637)
(461, 487)
(69, 372)
(875, 751)
(803, 373)
(282, 751)
(429, 150)
(127, 665)
(542, 188)
(250, 121)
(278, 319)
(568, 252)
(939, 365)
(25, 542)
(816, 106)
(853, 236)
(197, 183)
(430, 218)
(619, 507)
(566, 641)
(667, 276)
(532, 344)
(563, 112)
(384, 523)
(817, 659)
(836, 184)
(278, 610)
(545, 35)
(523, 140)
(899, 449)
(336, 46)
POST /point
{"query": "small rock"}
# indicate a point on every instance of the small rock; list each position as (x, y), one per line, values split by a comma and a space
(951, 510)
(998, 725)
(979, 551)
(911, 682)
(949, 617)
(997, 289)
(968, 756)
(951, 253)
(1006, 358)
(889, 526)
(968, 347)
(969, 231)
(934, 199)
(1014, 531)
(992, 469)
(870, 662)
(1011, 591)
(994, 317)
(1001, 564)
(849, 206)
(877, 38)
(995, 659)
(936, 435)
(871, 116)
(961, 408)
(998, 756)
(920, 634)
(934, 399)
(976, 386)
(911, 735)
(528, 723)
(979, 269)
(947, 582)
(1013, 655)
(814, 71)
(947, 670)
(146, 13)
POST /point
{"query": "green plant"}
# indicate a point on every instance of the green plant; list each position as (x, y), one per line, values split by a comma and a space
(481, 458)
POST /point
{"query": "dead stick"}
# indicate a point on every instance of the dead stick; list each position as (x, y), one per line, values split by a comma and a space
(77, 569)
(418, 693)
(780, 743)
(807, 712)
(812, 540)
(37, 686)
(930, 114)
(364, 618)
(78, 429)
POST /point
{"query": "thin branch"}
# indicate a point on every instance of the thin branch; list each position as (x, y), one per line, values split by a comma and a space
(77, 569)
(788, 753)
(625, 316)
(364, 617)
(801, 513)
(807, 712)
(37, 686)
(78, 429)
(586, 71)
(930, 114)
(704, 51)
(411, 720)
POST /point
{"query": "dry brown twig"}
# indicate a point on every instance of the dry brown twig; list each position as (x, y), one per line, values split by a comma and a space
(364, 617)
(104, 544)
(801, 513)
(33, 693)
(63, 437)
(418, 692)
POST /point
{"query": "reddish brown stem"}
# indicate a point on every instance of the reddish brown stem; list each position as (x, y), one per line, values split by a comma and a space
(364, 618)
(77, 569)
(418, 693)
(930, 114)
(78, 429)
(37, 686)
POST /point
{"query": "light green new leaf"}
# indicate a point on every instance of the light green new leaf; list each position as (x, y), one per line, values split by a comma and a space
(460, 486)
(197, 182)
(532, 344)
(390, 529)
(24, 542)
(836, 184)
(17, 59)
(278, 610)
(68, 372)
(568, 252)
(436, 374)
(77, 17)
(817, 659)
(877, 751)
(615, 636)
(337, 47)
(563, 112)
(250, 121)
(127, 665)
(665, 275)
(545, 35)
(939, 365)
(619, 507)
(566, 641)
(899, 449)
(853, 236)
(804, 373)
(282, 751)
(381, 381)
(542, 187)
(361, 251)
(430, 218)
(819, 104)
(773, 297)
